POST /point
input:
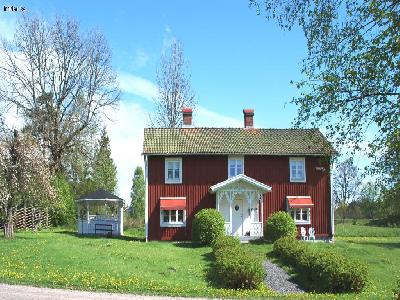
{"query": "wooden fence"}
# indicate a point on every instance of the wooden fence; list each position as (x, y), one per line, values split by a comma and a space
(31, 218)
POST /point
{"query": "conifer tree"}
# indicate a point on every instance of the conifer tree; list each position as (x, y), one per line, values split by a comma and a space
(104, 172)
(137, 195)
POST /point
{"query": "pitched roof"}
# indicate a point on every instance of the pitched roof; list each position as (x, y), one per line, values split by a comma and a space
(172, 141)
(100, 195)
(240, 178)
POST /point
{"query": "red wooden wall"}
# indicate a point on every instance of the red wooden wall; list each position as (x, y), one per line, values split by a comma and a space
(202, 171)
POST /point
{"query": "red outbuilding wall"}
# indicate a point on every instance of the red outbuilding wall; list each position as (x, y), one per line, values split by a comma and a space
(200, 172)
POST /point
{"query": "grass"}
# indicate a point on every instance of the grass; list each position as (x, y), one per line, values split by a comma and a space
(60, 258)
(350, 230)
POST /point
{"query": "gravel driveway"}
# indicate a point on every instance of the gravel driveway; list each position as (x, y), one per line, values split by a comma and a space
(21, 292)
(278, 280)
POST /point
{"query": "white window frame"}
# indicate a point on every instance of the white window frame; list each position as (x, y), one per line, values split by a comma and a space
(301, 222)
(172, 223)
(236, 158)
(296, 160)
(173, 180)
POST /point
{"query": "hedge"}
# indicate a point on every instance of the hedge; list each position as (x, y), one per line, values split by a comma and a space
(326, 271)
(207, 225)
(235, 267)
(278, 225)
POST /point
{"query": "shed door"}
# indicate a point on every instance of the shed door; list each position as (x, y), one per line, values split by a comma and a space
(237, 217)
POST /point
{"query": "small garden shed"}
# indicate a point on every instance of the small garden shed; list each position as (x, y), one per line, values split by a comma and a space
(100, 212)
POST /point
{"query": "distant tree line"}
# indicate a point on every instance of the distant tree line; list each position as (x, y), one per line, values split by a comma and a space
(355, 200)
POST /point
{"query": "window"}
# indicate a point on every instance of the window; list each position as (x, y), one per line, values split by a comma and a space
(173, 218)
(297, 167)
(300, 215)
(235, 166)
(173, 170)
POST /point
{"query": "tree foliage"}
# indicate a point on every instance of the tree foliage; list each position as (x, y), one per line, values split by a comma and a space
(60, 80)
(63, 212)
(104, 172)
(174, 89)
(24, 176)
(352, 77)
(137, 195)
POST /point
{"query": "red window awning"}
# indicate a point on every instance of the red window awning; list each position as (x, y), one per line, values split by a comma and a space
(299, 201)
(173, 203)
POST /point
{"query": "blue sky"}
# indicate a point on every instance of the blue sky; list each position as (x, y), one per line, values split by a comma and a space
(237, 60)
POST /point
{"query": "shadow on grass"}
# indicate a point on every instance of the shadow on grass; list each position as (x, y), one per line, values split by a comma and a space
(92, 236)
(188, 244)
(379, 244)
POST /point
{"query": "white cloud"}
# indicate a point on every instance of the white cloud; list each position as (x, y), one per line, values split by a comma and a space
(141, 59)
(8, 25)
(137, 86)
(126, 138)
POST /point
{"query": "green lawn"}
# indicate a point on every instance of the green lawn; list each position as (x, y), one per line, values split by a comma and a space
(350, 230)
(59, 258)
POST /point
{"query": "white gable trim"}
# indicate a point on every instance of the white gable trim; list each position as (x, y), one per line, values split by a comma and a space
(241, 177)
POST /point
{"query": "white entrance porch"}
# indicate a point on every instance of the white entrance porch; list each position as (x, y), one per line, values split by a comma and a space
(240, 201)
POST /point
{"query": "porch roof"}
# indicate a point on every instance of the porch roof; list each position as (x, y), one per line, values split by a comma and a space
(241, 178)
(100, 196)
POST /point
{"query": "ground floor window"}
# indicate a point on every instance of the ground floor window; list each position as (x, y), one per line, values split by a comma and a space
(173, 218)
(300, 215)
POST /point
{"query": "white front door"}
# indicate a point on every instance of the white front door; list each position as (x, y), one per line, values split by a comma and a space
(237, 217)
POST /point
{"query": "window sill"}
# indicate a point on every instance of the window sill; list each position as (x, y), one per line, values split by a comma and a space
(298, 181)
(172, 225)
(173, 182)
(302, 222)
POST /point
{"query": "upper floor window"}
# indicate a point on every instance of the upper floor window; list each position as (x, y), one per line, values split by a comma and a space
(297, 167)
(235, 166)
(173, 170)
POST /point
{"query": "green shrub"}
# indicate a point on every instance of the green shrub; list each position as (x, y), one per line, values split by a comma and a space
(396, 290)
(224, 241)
(278, 225)
(207, 225)
(326, 271)
(235, 267)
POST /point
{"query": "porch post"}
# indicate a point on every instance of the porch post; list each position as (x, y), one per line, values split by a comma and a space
(88, 231)
(261, 197)
(230, 212)
(121, 219)
(218, 196)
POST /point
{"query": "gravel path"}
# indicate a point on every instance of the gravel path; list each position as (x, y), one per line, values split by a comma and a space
(278, 280)
(22, 292)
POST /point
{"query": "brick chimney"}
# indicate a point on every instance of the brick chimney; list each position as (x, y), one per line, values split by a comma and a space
(248, 117)
(187, 117)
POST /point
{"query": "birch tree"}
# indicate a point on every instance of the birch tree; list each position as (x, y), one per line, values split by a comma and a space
(60, 80)
(174, 88)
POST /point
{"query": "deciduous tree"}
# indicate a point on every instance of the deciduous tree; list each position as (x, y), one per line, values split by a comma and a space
(60, 80)
(24, 176)
(346, 185)
(174, 88)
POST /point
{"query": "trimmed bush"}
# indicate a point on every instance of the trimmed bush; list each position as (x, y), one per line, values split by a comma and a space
(224, 241)
(325, 270)
(207, 225)
(278, 225)
(235, 267)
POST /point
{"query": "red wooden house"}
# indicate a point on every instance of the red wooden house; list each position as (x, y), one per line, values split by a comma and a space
(245, 173)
